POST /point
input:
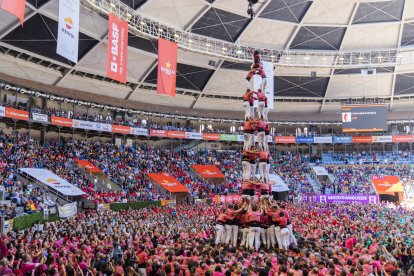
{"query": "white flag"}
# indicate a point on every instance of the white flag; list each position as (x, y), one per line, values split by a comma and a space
(269, 89)
(68, 29)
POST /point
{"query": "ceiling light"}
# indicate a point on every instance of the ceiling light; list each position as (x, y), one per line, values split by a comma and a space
(224, 48)
(272, 56)
(360, 57)
(176, 35)
(324, 58)
(239, 52)
(129, 15)
(307, 58)
(160, 30)
(142, 23)
(190, 41)
(112, 5)
(399, 55)
(380, 57)
(341, 58)
(208, 44)
(288, 58)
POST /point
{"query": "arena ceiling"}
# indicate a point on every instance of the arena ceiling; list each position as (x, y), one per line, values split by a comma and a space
(206, 82)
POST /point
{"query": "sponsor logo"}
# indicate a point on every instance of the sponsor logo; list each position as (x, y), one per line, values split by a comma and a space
(208, 172)
(167, 69)
(168, 184)
(346, 117)
(52, 181)
(114, 47)
(68, 22)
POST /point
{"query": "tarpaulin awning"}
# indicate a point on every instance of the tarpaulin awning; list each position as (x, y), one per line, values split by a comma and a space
(168, 182)
(88, 165)
(208, 171)
(388, 184)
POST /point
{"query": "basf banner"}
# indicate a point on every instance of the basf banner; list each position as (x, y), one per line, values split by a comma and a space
(117, 52)
(68, 30)
(167, 67)
(364, 118)
(53, 181)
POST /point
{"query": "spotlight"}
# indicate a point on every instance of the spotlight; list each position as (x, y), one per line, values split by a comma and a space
(250, 7)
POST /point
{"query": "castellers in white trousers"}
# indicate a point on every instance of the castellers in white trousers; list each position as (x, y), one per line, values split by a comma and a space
(231, 234)
(292, 238)
(254, 238)
(284, 236)
(248, 110)
(246, 170)
(219, 233)
(261, 140)
(270, 233)
(245, 237)
(248, 141)
(278, 237)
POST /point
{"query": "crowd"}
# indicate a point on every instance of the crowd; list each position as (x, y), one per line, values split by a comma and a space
(365, 157)
(180, 240)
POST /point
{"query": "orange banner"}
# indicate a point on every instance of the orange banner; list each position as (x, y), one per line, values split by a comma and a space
(383, 183)
(362, 139)
(60, 121)
(121, 129)
(285, 140)
(168, 182)
(167, 67)
(176, 134)
(211, 136)
(208, 171)
(15, 7)
(402, 138)
(116, 57)
(17, 114)
(88, 165)
(158, 133)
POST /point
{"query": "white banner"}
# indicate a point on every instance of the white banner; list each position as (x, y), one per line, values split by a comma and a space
(53, 181)
(278, 185)
(320, 170)
(103, 127)
(84, 125)
(68, 30)
(139, 131)
(68, 210)
(38, 117)
(323, 140)
(2, 111)
(269, 89)
(382, 139)
(194, 135)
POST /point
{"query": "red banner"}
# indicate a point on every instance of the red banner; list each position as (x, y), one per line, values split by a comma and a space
(383, 184)
(17, 114)
(402, 138)
(168, 182)
(158, 133)
(167, 67)
(285, 140)
(362, 139)
(60, 121)
(176, 134)
(15, 7)
(121, 129)
(116, 58)
(211, 136)
(88, 165)
(208, 171)
(226, 198)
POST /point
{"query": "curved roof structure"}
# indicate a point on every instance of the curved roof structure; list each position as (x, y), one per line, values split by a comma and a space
(208, 81)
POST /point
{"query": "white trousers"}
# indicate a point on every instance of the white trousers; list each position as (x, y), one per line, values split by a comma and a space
(270, 233)
(219, 233)
(235, 234)
(260, 109)
(265, 112)
(266, 142)
(254, 238)
(246, 170)
(292, 238)
(253, 170)
(263, 171)
(248, 110)
(284, 236)
(248, 141)
(263, 235)
(261, 140)
(278, 237)
(245, 237)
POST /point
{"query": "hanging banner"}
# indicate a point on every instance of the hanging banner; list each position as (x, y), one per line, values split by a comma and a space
(362, 139)
(121, 129)
(168, 182)
(386, 184)
(382, 139)
(285, 140)
(139, 131)
(38, 117)
(61, 121)
(193, 135)
(167, 67)
(158, 133)
(323, 140)
(229, 137)
(208, 171)
(347, 199)
(304, 140)
(176, 134)
(15, 7)
(68, 210)
(17, 114)
(88, 165)
(269, 88)
(116, 59)
(400, 138)
(342, 139)
(68, 30)
(211, 136)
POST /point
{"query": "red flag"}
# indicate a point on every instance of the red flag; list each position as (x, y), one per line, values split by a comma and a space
(15, 7)
(116, 58)
(167, 67)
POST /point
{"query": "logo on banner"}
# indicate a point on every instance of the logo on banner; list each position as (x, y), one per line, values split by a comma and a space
(346, 117)
(52, 181)
(116, 60)
(168, 183)
(167, 66)
(69, 22)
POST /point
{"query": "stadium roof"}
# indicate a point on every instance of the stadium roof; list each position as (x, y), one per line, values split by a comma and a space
(210, 82)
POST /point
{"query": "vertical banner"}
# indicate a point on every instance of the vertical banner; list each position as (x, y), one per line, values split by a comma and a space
(269, 89)
(15, 7)
(167, 67)
(68, 30)
(116, 58)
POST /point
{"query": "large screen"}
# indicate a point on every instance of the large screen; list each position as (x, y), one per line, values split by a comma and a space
(359, 118)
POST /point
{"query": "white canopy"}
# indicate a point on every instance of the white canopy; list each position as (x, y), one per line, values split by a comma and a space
(320, 170)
